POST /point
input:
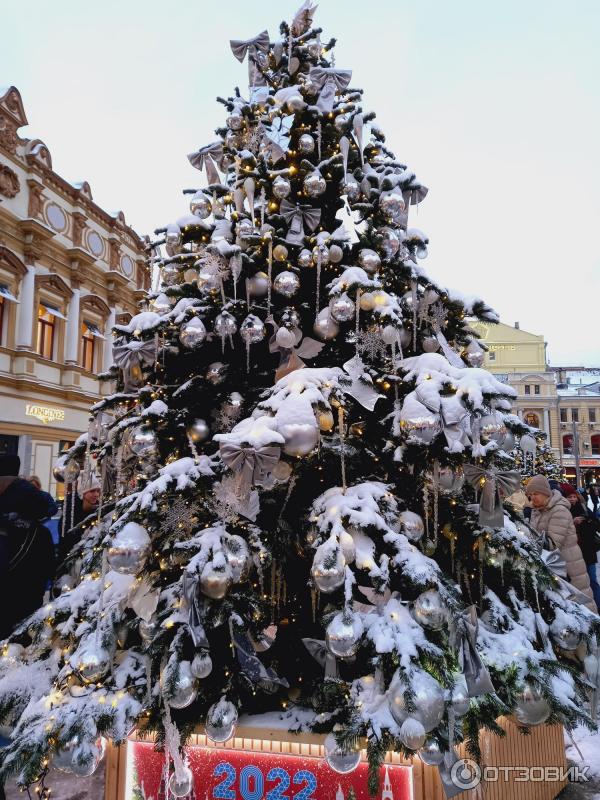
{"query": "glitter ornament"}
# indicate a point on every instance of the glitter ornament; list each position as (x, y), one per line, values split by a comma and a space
(181, 785)
(314, 184)
(532, 708)
(200, 205)
(340, 760)
(325, 326)
(492, 427)
(566, 638)
(225, 324)
(392, 205)
(258, 285)
(198, 431)
(286, 283)
(389, 243)
(369, 260)
(252, 329)
(320, 253)
(412, 733)
(411, 525)
(342, 308)
(306, 143)
(192, 334)
(431, 754)
(93, 662)
(335, 254)
(221, 720)
(238, 557)
(343, 634)
(201, 665)
(328, 570)
(129, 549)
(215, 583)
(430, 344)
(281, 187)
(429, 610)
(216, 372)
(301, 438)
(351, 188)
(142, 442)
(170, 275)
(280, 252)
(305, 259)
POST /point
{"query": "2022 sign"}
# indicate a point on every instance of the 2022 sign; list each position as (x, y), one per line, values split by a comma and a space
(223, 774)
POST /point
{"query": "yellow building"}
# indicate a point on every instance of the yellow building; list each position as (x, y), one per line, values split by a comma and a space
(68, 272)
(519, 358)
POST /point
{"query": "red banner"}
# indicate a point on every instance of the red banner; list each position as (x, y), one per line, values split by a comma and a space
(221, 774)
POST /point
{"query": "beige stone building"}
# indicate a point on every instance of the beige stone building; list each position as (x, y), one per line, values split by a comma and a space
(68, 272)
(548, 398)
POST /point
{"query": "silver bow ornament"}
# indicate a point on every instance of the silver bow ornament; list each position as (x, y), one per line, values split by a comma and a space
(328, 81)
(290, 358)
(206, 157)
(251, 47)
(464, 640)
(558, 567)
(190, 588)
(278, 136)
(251, 464)
(321, 654)
(492, 485)
(299, 218)
(132, 357)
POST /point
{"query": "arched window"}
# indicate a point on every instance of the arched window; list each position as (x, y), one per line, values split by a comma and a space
(567, 442)
(596, 444)
(532, 419)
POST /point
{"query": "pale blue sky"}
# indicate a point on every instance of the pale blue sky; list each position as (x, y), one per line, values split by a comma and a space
(495, 105)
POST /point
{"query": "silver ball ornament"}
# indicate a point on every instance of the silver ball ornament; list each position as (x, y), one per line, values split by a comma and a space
(301, 438)
(258, 285)
(335, 254)
(216, 372)
(306, 143)
(286, 283)
(170, 275)
(429, 610)
(411, 525)
(369, 260)
(129, 550)
(285, 338)
(320, 253)
(342, 308)
(341, 122)
(198, 431)
(351, 188)
(325, 326)
(392, 205)
(328, 575)
(564, 637)
(280, 252)
(235, 121)
(192, 334)
(450, 481)
(343, 634)
(184, 691)
(289, 316)
(389, 334)
(314, 184)
(225, 324)
(412, 733)
(173, 235)
(430, 344)
(459, 698)
(252, 329)
(208, 281)
(201, 665)
(221, 720)
(295, 103)
(200, 205)
(475, 354)
(305, 258)
(161, 304)
(181, 785)
(389, 243)
(281, 187)
(215, 583)
(532, 707)
(431, 754)
(238, 557)
(93, 662)
(142, 442)
(340, 760)
(492, 427)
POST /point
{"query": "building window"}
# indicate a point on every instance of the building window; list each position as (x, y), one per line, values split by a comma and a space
(87, 348)
(46, 332)
(574, 415)
(536, 388)
(532, 419)
(527, 389)
(567, 442)
(491, 356)
(3, 314)
(563, 415)
(596, 444)
(592, 412)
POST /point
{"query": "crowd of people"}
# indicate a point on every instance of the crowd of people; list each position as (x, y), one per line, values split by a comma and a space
(565, 518)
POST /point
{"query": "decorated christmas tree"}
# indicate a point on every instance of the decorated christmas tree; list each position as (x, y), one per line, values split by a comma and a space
(533, 456)
(303, 468)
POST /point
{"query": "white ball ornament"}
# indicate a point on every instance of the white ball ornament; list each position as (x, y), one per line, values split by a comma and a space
(181, 784)
(532, 707)
(221, 720)
(335, 254)
(340, 760)
(285, 338)
(429, 610)
(192, 334)
(314, 184)
(306, 143)
(369, 260)
(301, 438)
(281, 187)
(286, 283)
(411, 525)
(412, 733)
(325, 326)
(129, 550)
(343, 634)
(342, 308)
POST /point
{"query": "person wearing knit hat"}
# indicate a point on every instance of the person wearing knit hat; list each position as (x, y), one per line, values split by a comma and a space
(551, 516)
(587, 528)
(78, 506)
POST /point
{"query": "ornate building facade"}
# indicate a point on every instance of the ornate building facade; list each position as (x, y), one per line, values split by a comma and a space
(68, 272)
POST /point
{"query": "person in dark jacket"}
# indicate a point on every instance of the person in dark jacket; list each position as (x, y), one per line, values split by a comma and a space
(26, 549)
(78, 505)
(587, 528)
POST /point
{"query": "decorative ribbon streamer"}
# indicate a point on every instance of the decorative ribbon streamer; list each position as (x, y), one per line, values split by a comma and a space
(299, 218)
(251, 665)
(249, 189)
(240, 48)
(189, 588)
(279, 136)
(252, 464)
(206, 157)
(322, 656)
(132, 357)
(329, 81)
(464, 639)
(558, 567)
(493, 485)
(357, 127)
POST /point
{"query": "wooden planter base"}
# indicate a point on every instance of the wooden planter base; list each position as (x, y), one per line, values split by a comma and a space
(544, 747)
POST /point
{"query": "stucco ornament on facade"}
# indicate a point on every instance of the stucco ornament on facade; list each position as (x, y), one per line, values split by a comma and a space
(9, 182)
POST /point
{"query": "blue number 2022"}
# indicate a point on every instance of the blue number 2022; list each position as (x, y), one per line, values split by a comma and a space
(252, 783)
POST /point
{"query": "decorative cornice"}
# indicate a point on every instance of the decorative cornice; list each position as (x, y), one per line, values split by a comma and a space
(13, 262)
(53, 283)
(95, 303)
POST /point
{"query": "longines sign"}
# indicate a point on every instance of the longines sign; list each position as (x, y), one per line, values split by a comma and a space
(44, 414)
